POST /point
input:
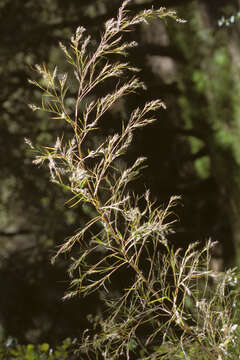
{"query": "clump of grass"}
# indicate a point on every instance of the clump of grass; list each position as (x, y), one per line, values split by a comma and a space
(167, 308)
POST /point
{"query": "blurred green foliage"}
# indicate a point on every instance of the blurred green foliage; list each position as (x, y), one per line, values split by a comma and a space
(11, 350)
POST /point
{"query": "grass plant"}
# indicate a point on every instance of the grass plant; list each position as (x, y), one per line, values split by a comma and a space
(167, 310)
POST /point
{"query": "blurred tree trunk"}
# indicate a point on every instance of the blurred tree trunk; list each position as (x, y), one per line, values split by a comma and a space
(200, 132)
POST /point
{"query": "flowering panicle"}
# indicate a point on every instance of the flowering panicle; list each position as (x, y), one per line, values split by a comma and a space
(125, 232)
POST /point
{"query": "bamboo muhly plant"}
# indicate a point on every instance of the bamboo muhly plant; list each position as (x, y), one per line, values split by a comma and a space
(125, 232)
